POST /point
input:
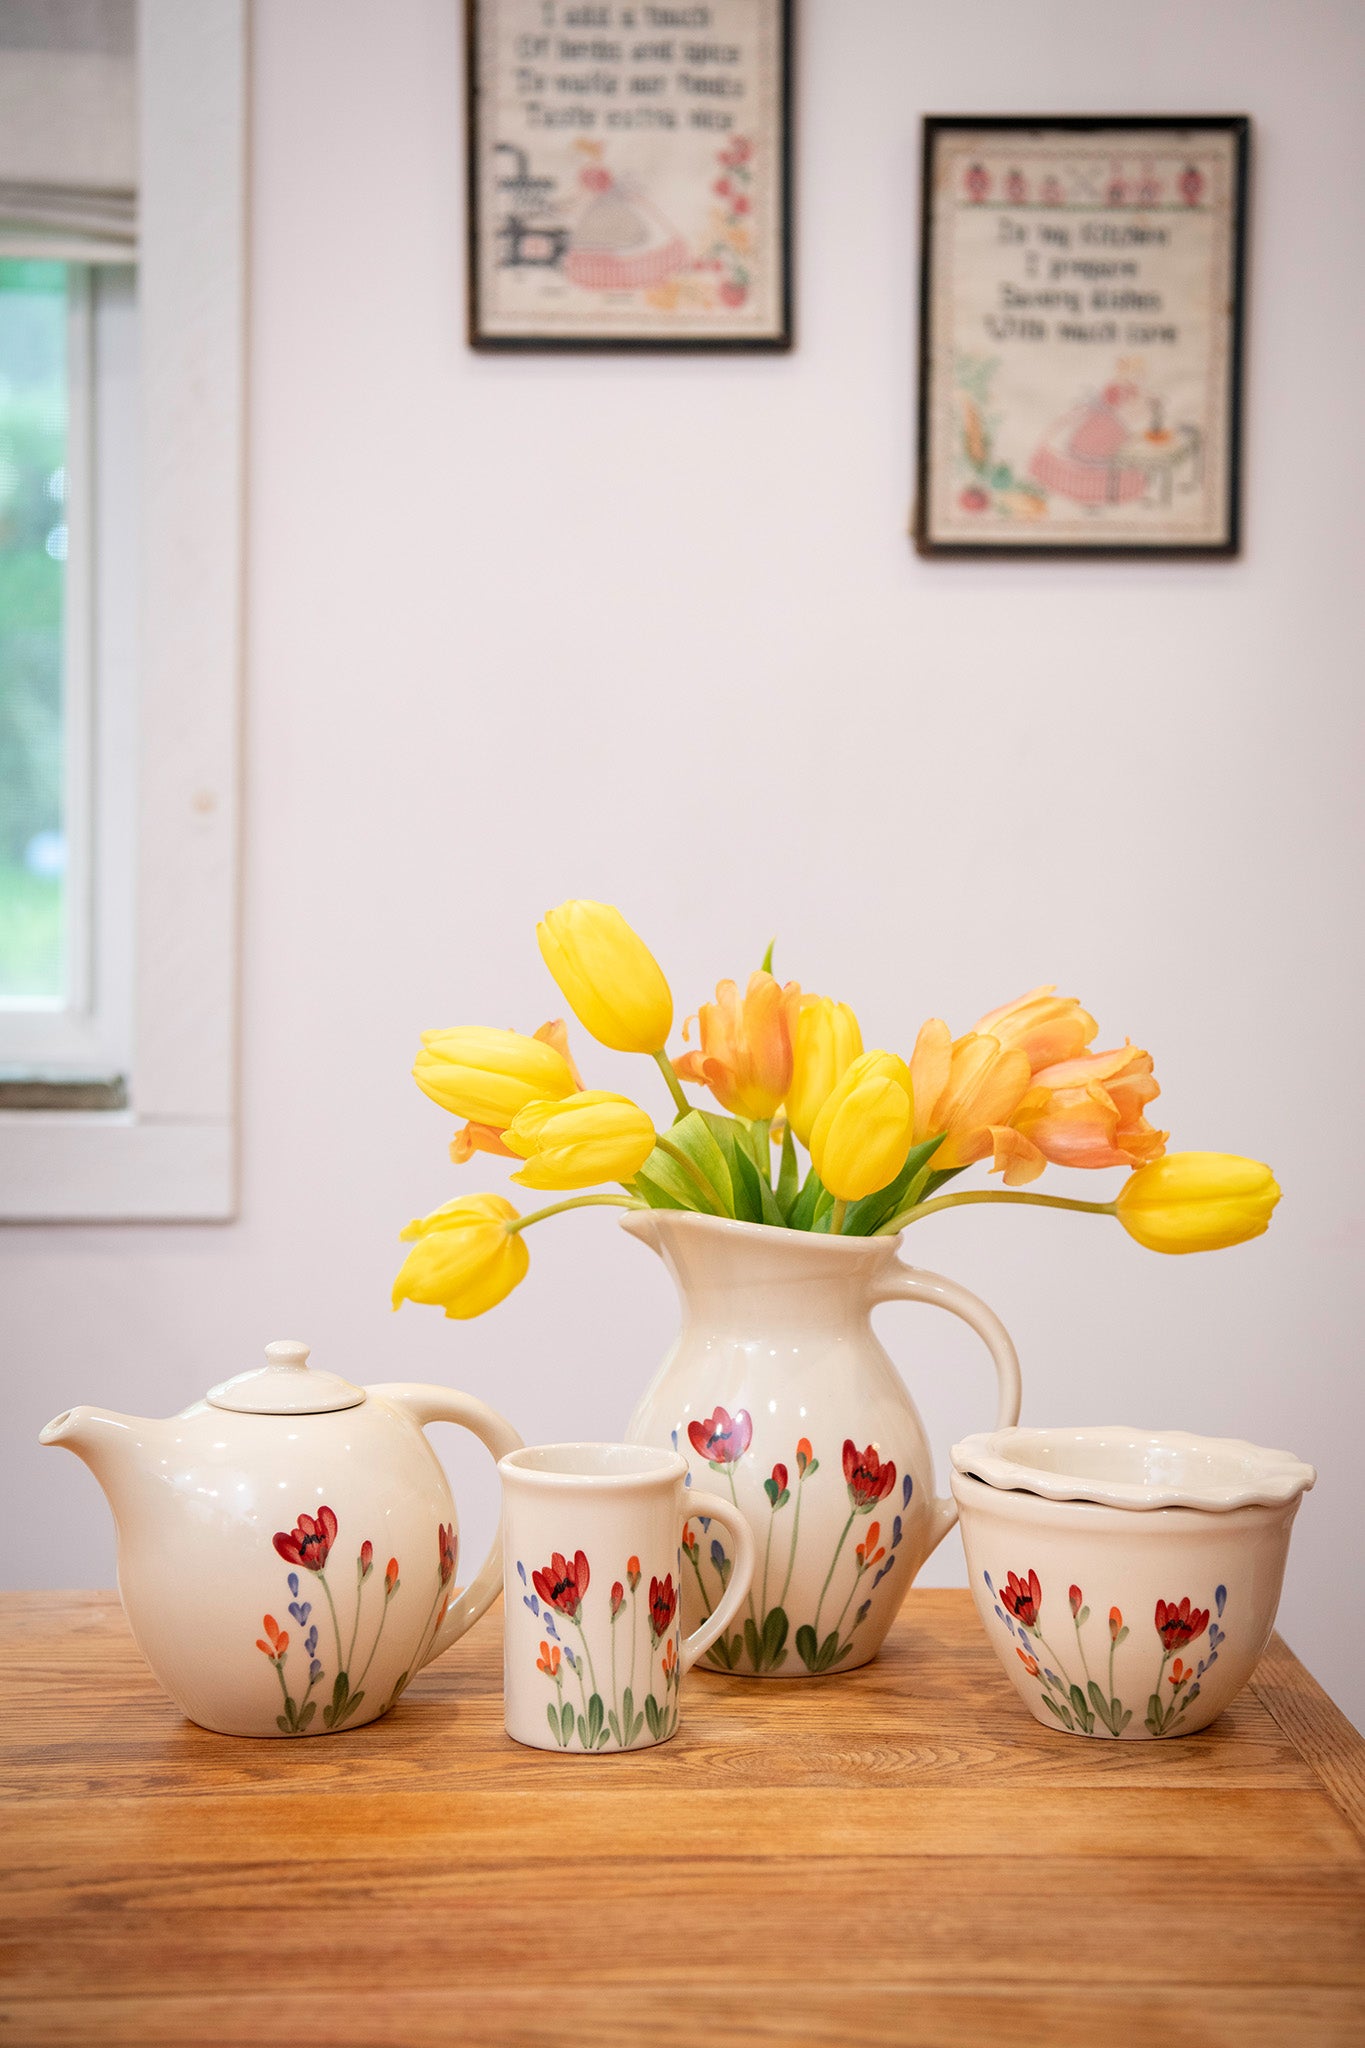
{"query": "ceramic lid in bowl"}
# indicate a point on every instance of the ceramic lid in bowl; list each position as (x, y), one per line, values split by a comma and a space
(1124, 1467)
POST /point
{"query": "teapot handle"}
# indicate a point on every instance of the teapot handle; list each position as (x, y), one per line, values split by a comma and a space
(909, 1283)
(442, 1404)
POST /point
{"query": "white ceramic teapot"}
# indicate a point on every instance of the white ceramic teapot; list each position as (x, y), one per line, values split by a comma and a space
(287, 1546)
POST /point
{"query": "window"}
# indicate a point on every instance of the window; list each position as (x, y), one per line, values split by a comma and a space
(120, 555)
(68, 458)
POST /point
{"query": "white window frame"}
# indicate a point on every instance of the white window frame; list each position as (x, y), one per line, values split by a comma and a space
(172, 1152)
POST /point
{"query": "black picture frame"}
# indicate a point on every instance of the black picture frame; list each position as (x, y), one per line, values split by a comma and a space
(926, 527)
(778, 340)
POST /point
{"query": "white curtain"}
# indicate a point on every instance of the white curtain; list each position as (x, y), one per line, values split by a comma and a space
(68, 129)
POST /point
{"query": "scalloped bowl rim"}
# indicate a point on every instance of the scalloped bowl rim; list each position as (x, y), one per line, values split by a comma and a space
(1123, 1466)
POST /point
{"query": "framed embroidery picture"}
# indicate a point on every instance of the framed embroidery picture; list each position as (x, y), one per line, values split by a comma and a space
(1081, 335)
(629, 174)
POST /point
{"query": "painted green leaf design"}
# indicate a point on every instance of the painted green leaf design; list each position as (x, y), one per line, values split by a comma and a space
(652, 1714)
(774, 1636)
(554, 1724)
(566, 1722)
(807, 1647)
(284, 1724)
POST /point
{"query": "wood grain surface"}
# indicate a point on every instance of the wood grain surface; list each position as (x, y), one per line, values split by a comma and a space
(897, 1855)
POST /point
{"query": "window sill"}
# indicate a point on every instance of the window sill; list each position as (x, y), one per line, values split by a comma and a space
(72, 1166)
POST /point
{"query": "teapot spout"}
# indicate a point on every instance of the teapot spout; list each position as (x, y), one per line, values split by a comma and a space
(113, 1446)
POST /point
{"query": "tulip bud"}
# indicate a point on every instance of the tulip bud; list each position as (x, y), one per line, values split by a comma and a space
(464, 1258)
(487, 1075)
(580, 1141)
(861, 1138)
(745, 1057)
(611, 979)
(827, 1043)
(1197, 1201)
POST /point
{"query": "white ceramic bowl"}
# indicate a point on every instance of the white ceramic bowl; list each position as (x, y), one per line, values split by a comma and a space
(1128, 1578)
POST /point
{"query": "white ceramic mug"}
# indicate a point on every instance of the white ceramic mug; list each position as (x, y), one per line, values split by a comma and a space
(593, 1651)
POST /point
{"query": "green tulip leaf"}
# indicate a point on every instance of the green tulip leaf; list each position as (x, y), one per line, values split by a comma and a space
(801, 1214)
(787, 1175)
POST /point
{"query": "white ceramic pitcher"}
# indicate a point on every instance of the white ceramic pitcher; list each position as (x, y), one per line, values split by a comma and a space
(778, 1392)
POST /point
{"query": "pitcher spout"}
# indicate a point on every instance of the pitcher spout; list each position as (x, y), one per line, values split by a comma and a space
(113, 1446)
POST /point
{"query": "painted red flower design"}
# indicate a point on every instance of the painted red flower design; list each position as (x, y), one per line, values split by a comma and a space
(279, 1639)
(868, 1479)
(309, 1541)
(1077, 1599)
(663, 1605)
(562, 1584)
(1179, 1625)
(446, 1540)
(618, 1598)
(1115, 1623)
(391, 1577)
(723, 1438)
(632, 1572)
(1023, 1598)
(366, 1559)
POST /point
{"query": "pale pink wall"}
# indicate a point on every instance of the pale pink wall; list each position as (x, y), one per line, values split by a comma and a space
(651, 630)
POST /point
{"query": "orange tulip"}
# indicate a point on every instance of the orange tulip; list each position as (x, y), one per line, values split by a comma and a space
(745, 1057)
(1046, 1026)
(1089, 1111)
(969, 1088)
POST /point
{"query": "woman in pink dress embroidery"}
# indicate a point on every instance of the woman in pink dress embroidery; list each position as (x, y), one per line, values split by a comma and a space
(1082, 455)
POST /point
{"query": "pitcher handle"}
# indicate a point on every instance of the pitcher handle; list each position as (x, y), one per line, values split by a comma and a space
(909, 1283)
(741, 1577)
(442, 1404)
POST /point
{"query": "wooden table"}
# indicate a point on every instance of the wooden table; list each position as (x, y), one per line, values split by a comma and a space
(895, 1855)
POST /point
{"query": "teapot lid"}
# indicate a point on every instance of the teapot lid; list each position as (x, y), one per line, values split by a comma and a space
(284, 1386)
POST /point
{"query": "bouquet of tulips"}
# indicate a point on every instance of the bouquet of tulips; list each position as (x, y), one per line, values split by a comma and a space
(884, 1135)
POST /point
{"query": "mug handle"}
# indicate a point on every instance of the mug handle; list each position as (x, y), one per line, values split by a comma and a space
(442, 1404)
(908, 1283)
(733, 1519)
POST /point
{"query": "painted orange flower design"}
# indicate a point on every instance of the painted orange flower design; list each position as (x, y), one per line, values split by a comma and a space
(279, 1638)
(548, 1660)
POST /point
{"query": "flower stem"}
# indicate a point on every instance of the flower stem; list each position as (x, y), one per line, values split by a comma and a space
(796, 1531)
(375, 1644)
(912, 1215)
(693, 1171)
(669, 1072)
(701, 1584)
(830, 1573)
(760, 1142)
(577, 1202)
(836, 1217)
(586, 1651)
(322, 1580)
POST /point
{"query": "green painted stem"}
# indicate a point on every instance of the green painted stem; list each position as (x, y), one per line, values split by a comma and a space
(796, 1531)
(701, 1587)
(586, 1651)
(374, 1645)
(670, 1074)
(322, 1581)
(577, 1202)
(913, 1215)
(830, 1573)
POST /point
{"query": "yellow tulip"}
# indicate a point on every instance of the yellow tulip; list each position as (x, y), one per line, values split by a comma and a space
(464, 1258)
(613, 982)
(1046, 1026)
(487, 1075)
(861, 1136)
(1197, 1201)
(745, 1057)
(827, 1043)
(970, 1088)
(581, 1141)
